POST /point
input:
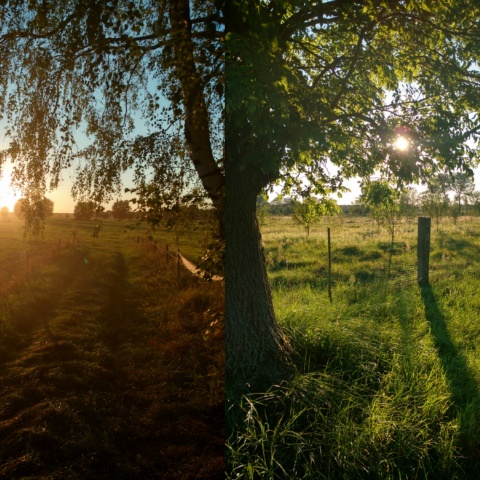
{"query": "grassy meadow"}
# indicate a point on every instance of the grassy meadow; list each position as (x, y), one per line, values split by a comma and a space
(388, 373)
(111, 361)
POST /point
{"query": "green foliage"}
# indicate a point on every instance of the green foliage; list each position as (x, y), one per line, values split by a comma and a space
(85, 210)
(96, 67)
(312, 210)
(462, 186)
(409, 204)
(263, 210)
(340, 81)
(384, 203)
(121, 209)
(436, 205)
(46, 206)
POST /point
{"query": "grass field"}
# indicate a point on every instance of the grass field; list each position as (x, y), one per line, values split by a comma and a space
(388, 374)
(111, 362)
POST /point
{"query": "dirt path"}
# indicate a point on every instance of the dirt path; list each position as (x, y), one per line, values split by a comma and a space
(84, 393)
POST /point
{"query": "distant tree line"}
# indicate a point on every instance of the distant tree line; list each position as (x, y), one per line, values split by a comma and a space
(21, 207)
(447, 195)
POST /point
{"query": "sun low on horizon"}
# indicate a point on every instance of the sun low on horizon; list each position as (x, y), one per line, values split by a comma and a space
(8, 195)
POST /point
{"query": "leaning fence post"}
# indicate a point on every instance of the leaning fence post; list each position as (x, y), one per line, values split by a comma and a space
(423, 249)
(329, 266)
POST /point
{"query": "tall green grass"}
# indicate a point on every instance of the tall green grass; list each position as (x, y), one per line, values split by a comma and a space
(388, 375)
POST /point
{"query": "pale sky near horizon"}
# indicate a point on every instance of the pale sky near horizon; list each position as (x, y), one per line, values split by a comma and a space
(61, 197)
(350, 197)
(353, 184)
(64, 202)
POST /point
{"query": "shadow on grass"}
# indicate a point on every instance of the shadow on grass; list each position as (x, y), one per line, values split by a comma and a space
(461, 381)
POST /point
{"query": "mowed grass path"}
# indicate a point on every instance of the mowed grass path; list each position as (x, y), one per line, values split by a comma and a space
(100, 376)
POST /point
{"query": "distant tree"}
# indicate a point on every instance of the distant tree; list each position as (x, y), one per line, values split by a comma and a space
(4, 212)
(455, 212)
(121, 209)
(263, 210)
(458, 183)
(84, 210)
(358, 209)
(18, 207)
(439, 184)
(48, 207)
(384, 203)
(283, 206)
(436, 205)
(45, 206)
(312, 210)
(475, 202)
(462, 186)
(409, 204)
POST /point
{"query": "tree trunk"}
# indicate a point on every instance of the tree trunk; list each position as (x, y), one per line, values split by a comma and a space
(197, 129)
(257, 354)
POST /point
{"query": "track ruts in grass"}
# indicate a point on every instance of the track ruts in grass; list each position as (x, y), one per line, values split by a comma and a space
(82, 390)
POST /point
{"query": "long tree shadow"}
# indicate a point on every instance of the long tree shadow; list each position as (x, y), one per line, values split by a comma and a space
(460, 379)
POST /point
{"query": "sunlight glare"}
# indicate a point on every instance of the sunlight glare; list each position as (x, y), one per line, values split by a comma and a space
(8, 196)
(401, 143)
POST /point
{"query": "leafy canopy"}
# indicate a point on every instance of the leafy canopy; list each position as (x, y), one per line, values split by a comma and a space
(311, 83)
(120, 74)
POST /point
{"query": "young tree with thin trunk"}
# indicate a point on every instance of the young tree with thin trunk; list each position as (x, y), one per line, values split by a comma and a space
(384, 203)
(312, 210)
(436, 205)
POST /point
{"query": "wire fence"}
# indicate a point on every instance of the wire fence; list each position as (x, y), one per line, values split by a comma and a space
(182, 262)
(362, 263)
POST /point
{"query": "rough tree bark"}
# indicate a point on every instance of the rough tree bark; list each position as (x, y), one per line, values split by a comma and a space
(257, 355)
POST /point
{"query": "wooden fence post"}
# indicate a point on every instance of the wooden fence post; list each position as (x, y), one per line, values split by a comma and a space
(166, 253)
(26, 264)
(329, 266)
(423, 249)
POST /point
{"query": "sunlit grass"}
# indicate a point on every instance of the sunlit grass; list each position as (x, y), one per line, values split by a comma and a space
(388, 375)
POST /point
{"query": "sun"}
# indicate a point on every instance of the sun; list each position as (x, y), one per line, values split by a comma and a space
(8, 196)
(402, 143)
